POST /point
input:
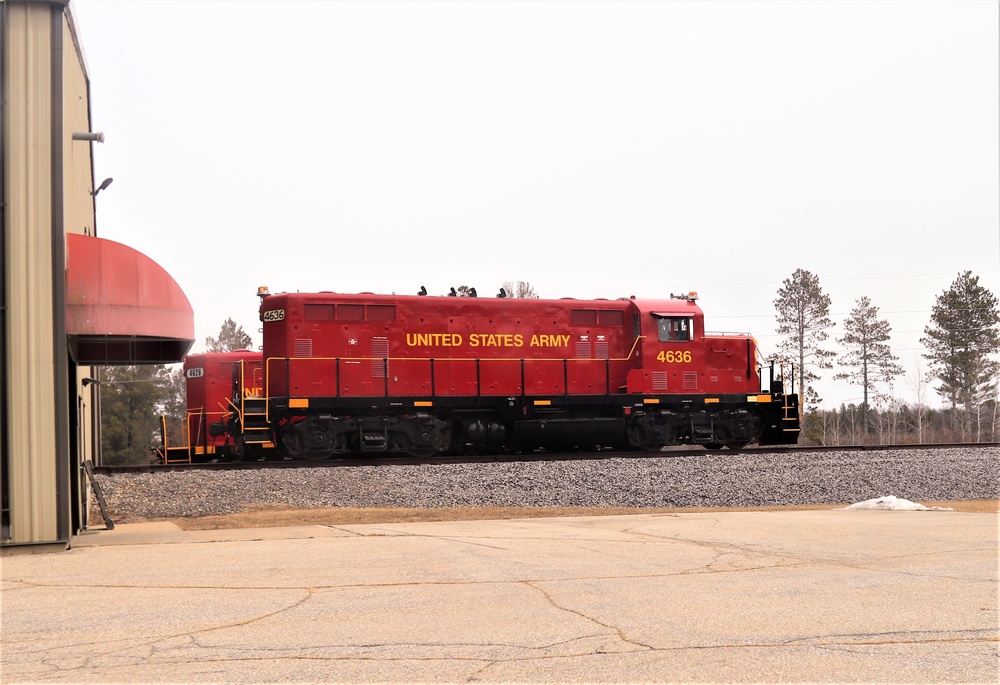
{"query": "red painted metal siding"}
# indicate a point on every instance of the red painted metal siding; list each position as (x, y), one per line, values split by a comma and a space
(713, 364)
(208, 380)
(377, 345)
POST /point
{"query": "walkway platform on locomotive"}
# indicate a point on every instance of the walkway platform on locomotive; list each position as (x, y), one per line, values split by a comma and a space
(828, 595)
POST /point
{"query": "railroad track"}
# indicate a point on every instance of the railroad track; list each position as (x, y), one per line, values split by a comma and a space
(525, 457)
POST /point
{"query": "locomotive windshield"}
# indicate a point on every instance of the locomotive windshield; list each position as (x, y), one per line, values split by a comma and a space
(674, 328)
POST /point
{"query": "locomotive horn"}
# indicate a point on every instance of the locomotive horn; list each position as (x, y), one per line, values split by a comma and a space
(423, 291)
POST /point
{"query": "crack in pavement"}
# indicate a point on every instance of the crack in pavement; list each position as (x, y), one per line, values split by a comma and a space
(617, 631)
(193, 646)
(837, 642)
(788, 561)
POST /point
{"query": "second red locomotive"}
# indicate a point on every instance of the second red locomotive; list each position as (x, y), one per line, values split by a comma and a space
(368, 373)
(209, 379)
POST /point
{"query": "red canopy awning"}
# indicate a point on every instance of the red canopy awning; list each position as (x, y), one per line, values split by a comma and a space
(122, 307)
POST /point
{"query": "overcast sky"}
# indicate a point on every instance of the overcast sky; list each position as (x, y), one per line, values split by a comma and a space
(593, 149)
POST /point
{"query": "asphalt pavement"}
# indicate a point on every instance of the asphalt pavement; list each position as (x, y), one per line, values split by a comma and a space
(824, 596)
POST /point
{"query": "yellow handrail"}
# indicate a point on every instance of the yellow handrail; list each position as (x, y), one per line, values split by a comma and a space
(267, 365)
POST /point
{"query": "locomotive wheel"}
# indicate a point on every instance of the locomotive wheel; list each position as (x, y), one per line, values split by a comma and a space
(713, 445)
(301, 444)
(736, 445)
(414, 450)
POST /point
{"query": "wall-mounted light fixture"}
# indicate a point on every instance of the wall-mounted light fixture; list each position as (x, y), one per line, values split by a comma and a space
(97, 137)
(88, 381)
(104, 184)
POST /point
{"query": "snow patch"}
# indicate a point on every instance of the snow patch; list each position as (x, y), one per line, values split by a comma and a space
(896, 504)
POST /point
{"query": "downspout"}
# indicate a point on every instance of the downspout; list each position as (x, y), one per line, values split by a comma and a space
(60, 350)
(4, 447)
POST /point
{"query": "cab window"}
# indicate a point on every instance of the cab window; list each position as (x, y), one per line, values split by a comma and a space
(674, 328)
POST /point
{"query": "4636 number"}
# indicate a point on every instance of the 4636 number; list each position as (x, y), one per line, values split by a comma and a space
(674, 357)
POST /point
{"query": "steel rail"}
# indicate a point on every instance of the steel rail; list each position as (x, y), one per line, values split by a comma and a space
(399, 460)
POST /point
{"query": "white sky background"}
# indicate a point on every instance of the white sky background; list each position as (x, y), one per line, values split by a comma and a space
(593, 149)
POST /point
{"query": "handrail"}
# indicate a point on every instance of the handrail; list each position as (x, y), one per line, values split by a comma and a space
(635, 344)
(432, 361)
(163, 436)
(237, 411)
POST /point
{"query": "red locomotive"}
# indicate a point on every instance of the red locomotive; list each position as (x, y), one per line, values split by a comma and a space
(209, 379)
(367, 373)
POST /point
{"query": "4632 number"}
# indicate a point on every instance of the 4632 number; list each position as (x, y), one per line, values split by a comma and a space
(674, 357)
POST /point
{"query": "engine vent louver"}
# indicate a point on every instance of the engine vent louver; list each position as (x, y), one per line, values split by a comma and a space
(351, 312)
(302, 347)
(659, 381)
(323, 311)
(319, 311)
(610, 317)
(596, 317)
(380, 352)
(381, 312)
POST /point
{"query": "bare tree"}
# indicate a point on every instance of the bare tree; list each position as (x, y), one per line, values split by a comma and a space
(918, 384)
(521, 289)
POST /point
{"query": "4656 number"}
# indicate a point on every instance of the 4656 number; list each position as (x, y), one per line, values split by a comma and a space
(674, 357)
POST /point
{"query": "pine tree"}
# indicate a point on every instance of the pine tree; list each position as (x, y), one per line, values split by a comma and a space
(231, 338)
(132, 399)
(963, 334)
(869, 356)
(803, 315)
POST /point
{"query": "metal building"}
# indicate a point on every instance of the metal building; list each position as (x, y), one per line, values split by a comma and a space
(71, 301)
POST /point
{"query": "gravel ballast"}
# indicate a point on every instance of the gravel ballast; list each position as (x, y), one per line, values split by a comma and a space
(709, 480)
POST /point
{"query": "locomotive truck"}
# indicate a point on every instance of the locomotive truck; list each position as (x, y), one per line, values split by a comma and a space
(366, 373)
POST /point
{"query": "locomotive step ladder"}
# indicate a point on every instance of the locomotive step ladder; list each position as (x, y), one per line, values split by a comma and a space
(256, 429)
(373, 436)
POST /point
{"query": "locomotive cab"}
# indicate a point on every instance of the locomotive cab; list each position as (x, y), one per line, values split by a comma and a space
(698, 387)
(670, 335)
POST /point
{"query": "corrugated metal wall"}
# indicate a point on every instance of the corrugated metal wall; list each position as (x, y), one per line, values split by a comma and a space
(31, 424)
(47, 182)
(77, 160)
